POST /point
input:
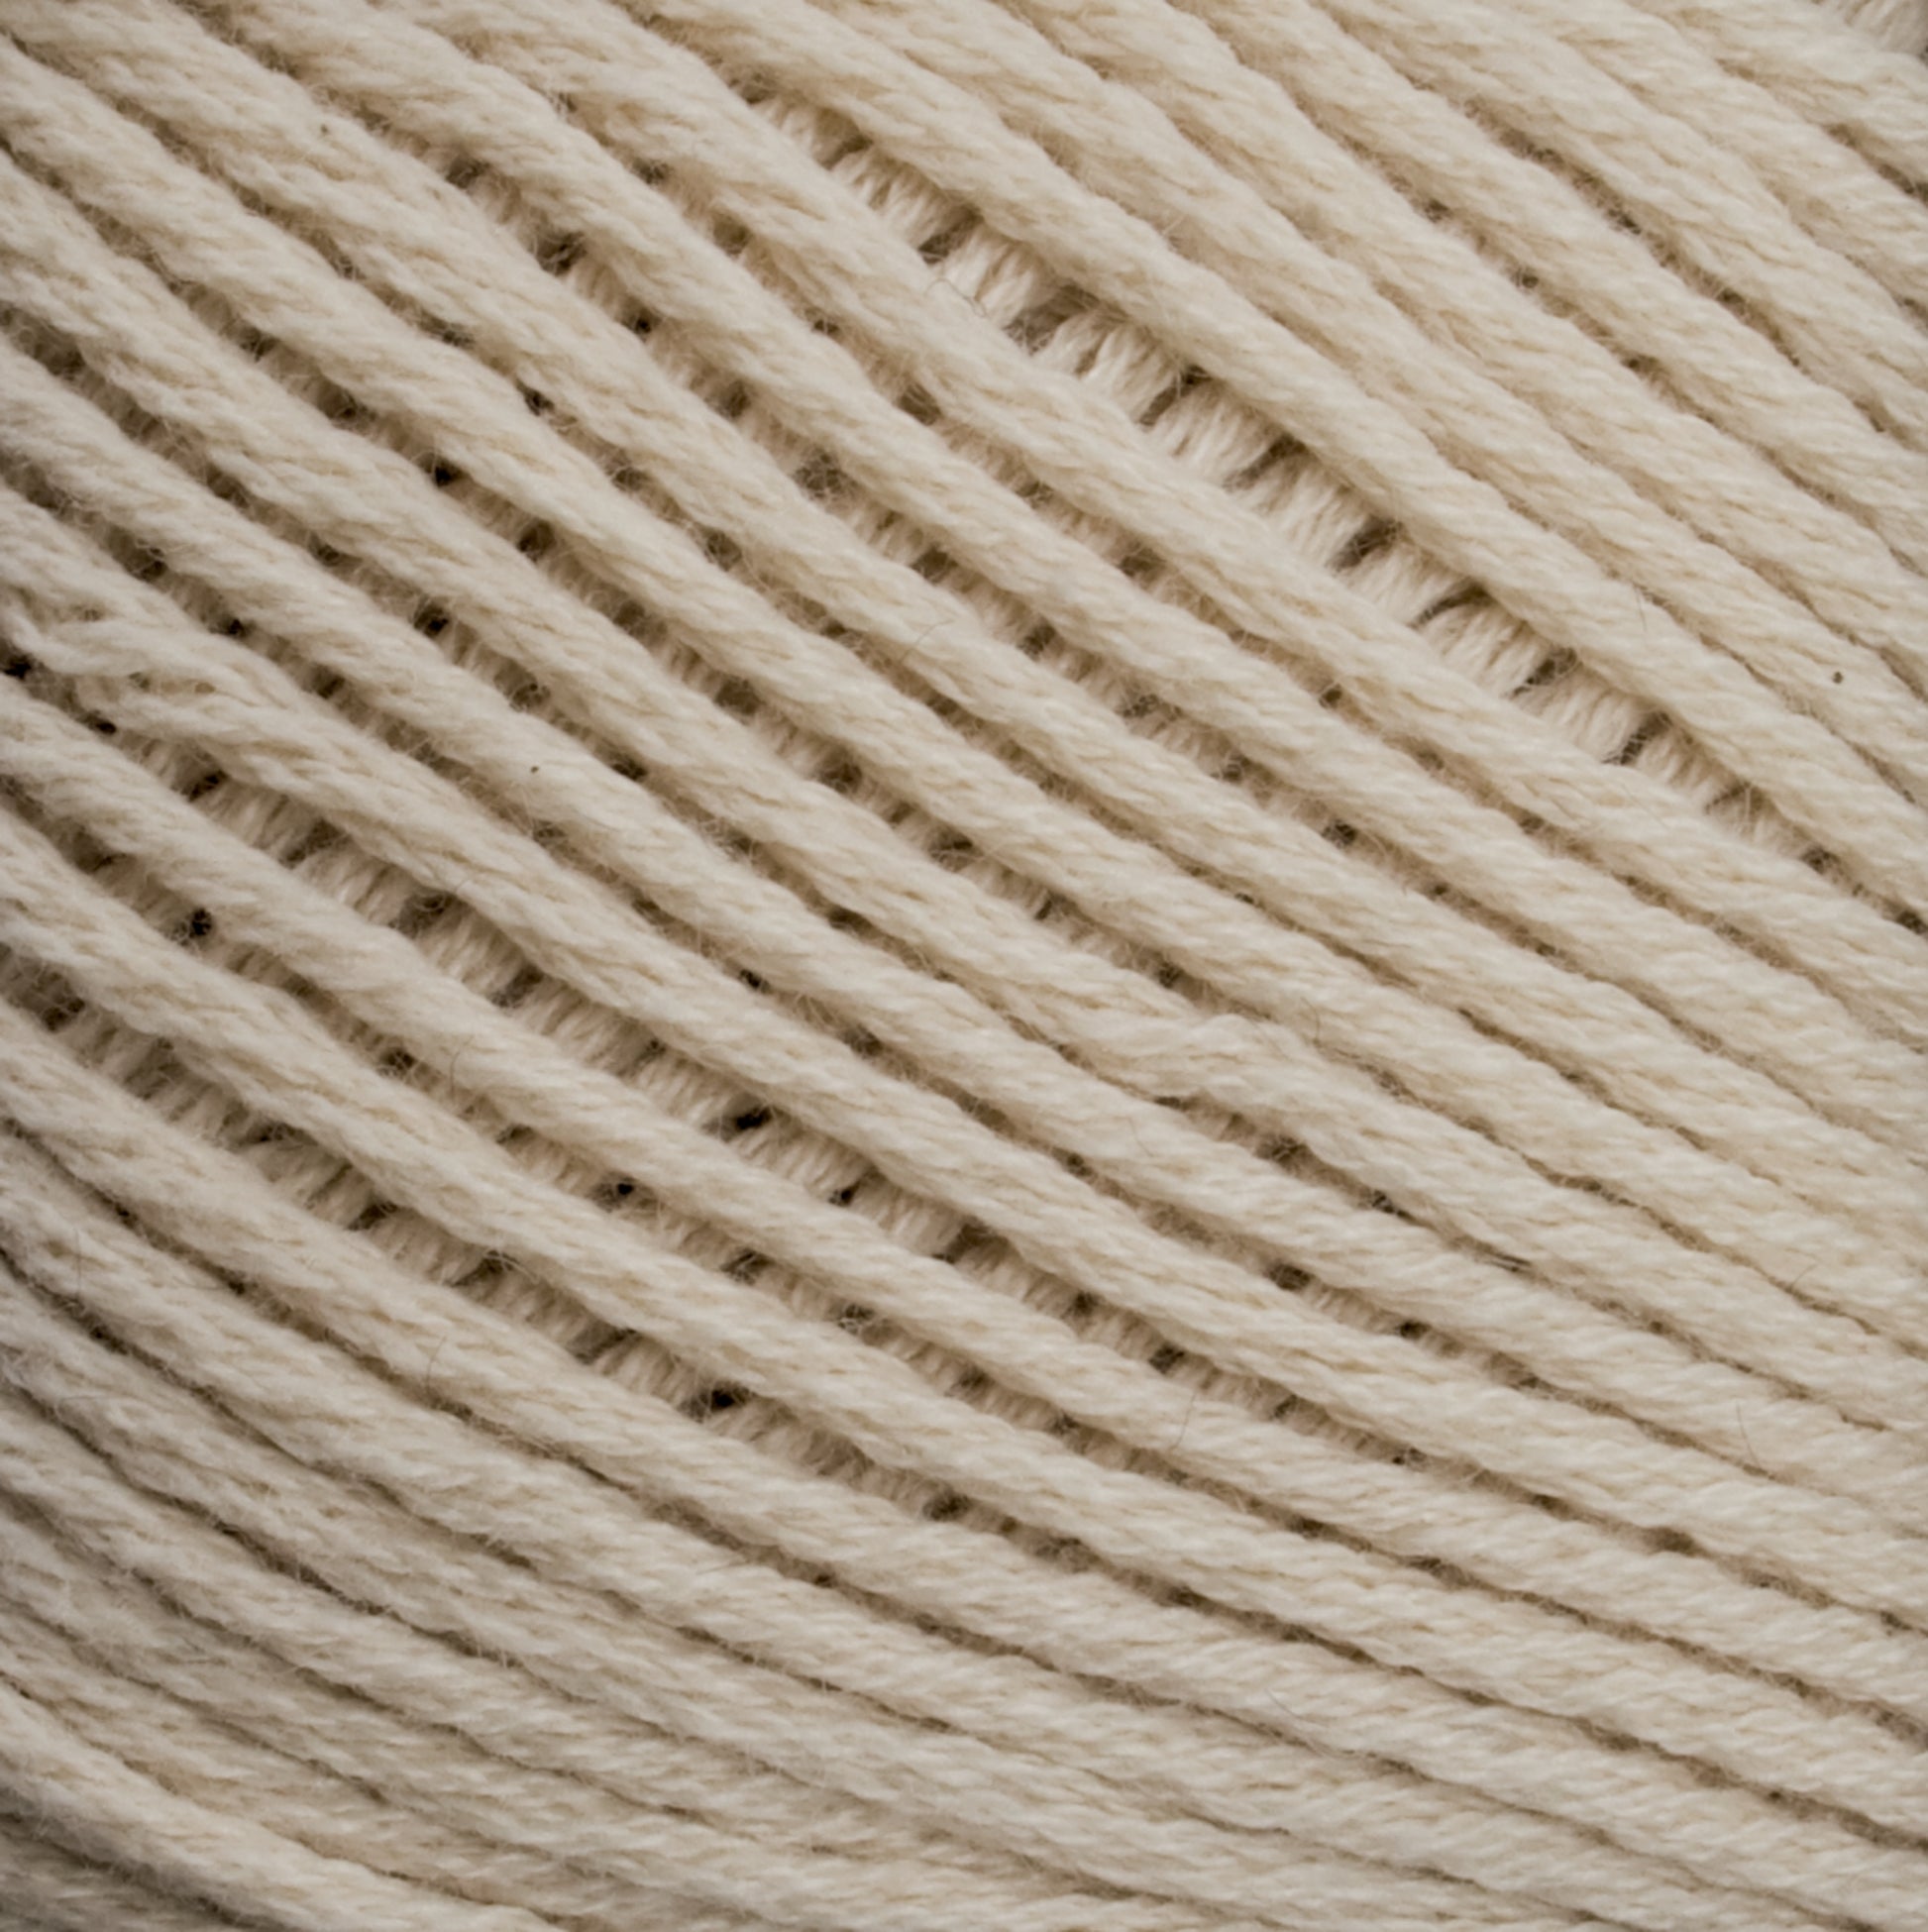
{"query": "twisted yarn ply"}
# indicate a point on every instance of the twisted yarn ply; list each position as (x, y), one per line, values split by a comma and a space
(962, 965)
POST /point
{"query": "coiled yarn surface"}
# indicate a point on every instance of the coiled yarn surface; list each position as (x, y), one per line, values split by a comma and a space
(961, 965)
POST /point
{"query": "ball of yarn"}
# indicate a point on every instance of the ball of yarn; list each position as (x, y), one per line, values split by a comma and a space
(961, 965)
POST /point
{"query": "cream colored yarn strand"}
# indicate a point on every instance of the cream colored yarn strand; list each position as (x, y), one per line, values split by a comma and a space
(961, 964)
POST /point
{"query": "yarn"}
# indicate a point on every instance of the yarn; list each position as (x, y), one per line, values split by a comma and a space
(961, 965)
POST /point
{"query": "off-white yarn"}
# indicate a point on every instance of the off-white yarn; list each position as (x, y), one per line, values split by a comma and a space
(963, 965)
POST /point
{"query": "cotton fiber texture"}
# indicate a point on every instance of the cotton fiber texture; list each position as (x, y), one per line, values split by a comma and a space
(962, 965)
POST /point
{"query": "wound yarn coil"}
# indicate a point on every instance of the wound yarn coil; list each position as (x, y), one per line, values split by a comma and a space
(961, 965)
